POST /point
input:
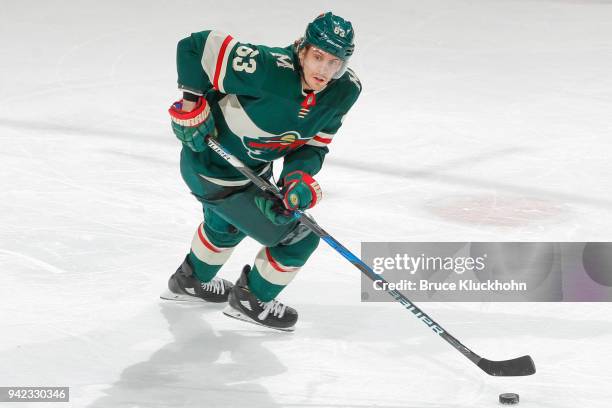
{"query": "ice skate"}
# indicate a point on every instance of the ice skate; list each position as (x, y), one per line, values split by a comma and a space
(243, 305)
(184, 286)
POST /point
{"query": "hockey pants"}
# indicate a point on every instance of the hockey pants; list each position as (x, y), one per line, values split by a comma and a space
(230, 214)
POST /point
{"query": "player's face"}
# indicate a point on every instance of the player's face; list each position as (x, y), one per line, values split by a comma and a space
(318, 67)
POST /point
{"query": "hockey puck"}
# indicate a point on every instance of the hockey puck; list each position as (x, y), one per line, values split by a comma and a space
(509, 398)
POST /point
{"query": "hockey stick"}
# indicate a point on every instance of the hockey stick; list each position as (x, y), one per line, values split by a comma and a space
(519, 366)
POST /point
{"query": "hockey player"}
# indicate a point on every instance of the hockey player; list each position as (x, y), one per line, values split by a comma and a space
(261, 103)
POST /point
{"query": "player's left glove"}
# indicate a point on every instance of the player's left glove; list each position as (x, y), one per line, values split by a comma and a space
(192, 127)
(300, 191)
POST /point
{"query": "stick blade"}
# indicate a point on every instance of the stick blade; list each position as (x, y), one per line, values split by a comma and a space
(516, 367)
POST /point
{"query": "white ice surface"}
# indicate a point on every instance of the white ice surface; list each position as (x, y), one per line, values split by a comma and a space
(479, 121)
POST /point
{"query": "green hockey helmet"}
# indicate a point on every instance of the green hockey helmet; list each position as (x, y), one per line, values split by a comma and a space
(332, 34)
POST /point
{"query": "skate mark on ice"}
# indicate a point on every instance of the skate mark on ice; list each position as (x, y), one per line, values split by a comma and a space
(36, 262)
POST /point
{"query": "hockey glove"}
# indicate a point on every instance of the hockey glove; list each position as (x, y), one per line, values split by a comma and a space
(273, 209)
(300, 191)
(192, 127)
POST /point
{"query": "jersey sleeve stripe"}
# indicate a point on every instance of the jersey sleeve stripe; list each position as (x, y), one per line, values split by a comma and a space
(321, 140)
(222, 63)
(213, 44)
(324, 140)
(313, 142)
(215, 56)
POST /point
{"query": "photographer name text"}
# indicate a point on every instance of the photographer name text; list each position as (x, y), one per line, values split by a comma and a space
(462, 285)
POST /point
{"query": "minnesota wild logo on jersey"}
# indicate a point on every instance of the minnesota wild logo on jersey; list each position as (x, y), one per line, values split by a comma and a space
(269, 148)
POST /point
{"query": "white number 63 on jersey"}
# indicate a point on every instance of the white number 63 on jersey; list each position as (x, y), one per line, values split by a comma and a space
(239, 64)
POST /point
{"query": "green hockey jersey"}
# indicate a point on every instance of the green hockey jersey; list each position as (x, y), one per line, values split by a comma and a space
(261, 110)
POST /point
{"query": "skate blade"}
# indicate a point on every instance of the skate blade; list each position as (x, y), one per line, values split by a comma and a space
(236, 314)
(167, 295)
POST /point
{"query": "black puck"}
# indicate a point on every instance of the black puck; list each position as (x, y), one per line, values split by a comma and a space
(509, 398)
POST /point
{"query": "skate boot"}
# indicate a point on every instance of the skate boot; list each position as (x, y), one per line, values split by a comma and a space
(186, 287)
(243, 305)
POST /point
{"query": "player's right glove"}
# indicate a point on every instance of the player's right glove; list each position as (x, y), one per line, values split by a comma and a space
(192, 127)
